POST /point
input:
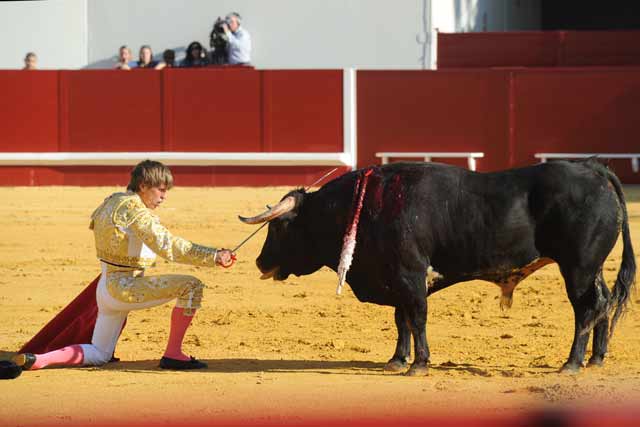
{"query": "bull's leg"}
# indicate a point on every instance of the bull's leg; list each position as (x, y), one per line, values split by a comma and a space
(417, 317)
(415, 310)
(581, 289)
(601, 329)
(398, 363)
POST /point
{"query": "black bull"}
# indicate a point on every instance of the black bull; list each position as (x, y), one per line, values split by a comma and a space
(464, 225)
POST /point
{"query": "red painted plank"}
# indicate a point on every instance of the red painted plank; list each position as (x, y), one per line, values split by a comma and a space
(29, 111)
(418, 111)
(114, 110)
(488, 49)
(305, 109)
(215, 109)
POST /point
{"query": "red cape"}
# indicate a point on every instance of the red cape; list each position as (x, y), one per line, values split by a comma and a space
(73, 325)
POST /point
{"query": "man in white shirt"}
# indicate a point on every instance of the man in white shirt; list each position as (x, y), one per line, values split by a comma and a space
(239, 40)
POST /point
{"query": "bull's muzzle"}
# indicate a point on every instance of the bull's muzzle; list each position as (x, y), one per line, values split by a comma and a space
(270, 274)
(267, 273)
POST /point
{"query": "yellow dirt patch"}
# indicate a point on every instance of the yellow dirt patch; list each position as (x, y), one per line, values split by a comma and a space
(285, 351)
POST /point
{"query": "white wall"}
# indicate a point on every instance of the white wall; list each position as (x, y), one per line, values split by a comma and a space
(56, 30)
(364, 34)
(285, 33)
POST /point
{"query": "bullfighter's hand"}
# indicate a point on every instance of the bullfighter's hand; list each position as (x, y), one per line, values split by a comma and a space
(225, 258)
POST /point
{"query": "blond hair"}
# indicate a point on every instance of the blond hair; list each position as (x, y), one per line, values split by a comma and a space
(151, 174)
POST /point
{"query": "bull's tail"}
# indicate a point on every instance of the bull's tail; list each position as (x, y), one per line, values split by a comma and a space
(627, 274)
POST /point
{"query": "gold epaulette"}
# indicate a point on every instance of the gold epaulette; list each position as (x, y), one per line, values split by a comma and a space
(128, 210)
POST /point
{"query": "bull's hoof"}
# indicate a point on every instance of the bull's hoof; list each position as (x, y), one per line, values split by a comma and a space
(595, 361)
(570, 368)
(395, 366)
(417, 371)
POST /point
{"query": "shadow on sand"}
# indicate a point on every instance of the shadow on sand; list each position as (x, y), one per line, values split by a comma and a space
(337, 367)
(259, 365)
(330, 367)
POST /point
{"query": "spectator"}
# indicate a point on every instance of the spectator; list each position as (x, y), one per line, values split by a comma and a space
(168, 60)
(239, 40)
(145, 57)
(30, 61)
(196, 56)
(124, 59)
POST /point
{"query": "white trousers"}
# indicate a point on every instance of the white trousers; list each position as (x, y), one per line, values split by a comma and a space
(111, 316)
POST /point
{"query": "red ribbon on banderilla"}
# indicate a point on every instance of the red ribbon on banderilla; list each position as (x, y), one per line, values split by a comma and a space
(349, 239)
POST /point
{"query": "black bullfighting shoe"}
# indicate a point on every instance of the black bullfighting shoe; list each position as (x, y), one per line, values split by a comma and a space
(9, 370)
(181, 365)
(24, 360)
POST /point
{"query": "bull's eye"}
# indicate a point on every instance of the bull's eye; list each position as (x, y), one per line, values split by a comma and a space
(280, 226)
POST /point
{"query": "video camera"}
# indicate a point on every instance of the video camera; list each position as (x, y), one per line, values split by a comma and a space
(218, 38)
(219, 43)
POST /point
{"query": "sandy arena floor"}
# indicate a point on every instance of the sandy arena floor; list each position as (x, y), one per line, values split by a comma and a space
(286, 352)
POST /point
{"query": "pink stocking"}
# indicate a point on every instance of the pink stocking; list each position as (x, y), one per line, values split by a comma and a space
(179, 324)
(67, 356)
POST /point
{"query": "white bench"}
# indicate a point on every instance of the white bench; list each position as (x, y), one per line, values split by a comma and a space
(635, 164)
(471, 157)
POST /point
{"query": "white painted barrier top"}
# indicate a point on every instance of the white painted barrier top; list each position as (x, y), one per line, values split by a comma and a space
(173, 158)
(427, 156)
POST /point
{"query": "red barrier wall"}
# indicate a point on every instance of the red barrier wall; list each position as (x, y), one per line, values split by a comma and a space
(433, 111)
(293, 176)
(211, 110)
(214, 110)
(576, 110)
(508, 114)
(231, 110)
(526, 49)
(303, 111)
(227, 109)
(601, 48)
(111, 111)
(29, 111)
(538, 49)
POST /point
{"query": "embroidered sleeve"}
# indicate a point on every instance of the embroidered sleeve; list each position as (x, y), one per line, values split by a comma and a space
(147, 227)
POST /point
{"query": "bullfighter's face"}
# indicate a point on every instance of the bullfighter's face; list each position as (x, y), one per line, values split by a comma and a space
(152, 197)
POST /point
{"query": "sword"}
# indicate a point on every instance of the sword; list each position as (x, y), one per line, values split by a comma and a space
(321, 178)
(247, 239)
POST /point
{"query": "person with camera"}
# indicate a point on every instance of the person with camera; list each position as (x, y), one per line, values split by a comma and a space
(239, 51)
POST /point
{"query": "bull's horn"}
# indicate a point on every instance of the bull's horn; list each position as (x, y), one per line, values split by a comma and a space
(281, 208)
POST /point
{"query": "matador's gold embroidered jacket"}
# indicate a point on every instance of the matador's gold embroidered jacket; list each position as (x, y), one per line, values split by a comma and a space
(127, 234)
